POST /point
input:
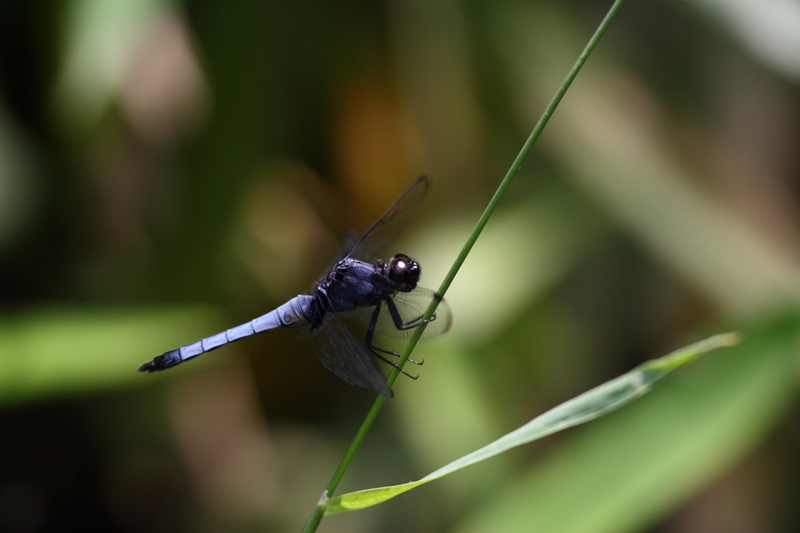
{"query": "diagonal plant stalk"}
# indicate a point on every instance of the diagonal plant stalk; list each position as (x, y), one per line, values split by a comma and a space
(316, 515)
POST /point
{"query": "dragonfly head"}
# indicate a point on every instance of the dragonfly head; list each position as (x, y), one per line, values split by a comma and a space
(403, 269)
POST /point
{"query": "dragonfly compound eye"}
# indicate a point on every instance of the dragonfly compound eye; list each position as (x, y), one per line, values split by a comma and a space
(403, 269)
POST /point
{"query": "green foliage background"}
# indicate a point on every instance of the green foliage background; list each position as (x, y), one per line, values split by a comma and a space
(169, 169)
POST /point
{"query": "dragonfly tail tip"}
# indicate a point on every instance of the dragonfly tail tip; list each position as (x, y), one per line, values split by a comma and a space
(148, 367)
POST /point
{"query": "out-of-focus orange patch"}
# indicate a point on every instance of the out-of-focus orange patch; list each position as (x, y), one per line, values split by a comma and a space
(371, 144)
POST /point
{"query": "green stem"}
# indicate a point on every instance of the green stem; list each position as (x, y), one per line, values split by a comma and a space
(316, 515)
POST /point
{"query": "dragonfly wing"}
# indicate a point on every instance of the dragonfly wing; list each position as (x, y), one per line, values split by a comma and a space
(341, 353)
(411, 306)
(389, 226)
(349, 242)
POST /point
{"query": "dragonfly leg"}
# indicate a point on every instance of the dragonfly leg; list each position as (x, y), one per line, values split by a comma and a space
(399, 323)
(375, 348)
(388, 362)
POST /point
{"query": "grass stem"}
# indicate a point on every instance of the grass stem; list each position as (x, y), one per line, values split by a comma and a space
(316, 515)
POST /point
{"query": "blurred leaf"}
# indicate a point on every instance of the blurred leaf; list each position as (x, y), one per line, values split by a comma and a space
(588, 406)
(100, 43)
(549, 234)
(69, 350)
(610, 140)
(19, 180)
(768, 28)
(627, 471)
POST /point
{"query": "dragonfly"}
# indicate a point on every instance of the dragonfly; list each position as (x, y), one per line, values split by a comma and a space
(358, 287)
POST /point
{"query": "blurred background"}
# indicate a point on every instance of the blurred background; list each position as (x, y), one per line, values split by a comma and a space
(171, 169)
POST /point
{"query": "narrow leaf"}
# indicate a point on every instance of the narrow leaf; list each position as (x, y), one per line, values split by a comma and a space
(61, 350)
(590, 405)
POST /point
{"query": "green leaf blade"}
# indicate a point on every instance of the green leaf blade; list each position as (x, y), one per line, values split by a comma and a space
(586, 407)
(362, 499)
(656, 453)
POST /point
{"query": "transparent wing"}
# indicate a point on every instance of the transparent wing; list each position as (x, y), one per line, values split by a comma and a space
(344, 355)
(349, 241)
(389, 226)
(411, 306)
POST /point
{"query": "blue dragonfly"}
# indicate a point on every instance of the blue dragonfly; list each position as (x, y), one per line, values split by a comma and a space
(383, 296)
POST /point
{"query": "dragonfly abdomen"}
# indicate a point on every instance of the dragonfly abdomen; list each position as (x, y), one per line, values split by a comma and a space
(292, 313)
